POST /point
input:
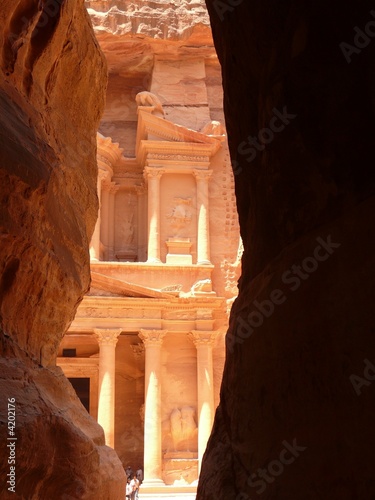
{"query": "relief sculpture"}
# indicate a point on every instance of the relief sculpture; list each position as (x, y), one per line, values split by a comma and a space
(146, 98)
(180, 214)
(128, 230)
(183, 430)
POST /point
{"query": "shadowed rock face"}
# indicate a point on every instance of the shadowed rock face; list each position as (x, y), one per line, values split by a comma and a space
(52, 84)
(296, 413)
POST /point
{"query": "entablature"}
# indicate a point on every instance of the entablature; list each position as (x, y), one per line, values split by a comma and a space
(132, 314)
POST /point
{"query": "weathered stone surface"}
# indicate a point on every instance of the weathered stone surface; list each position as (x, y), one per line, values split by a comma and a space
(157, 20)
(50, 108)
(140, 40)
(182, 69)
(310, 181)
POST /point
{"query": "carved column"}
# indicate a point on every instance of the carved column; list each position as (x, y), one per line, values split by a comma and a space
(140, 190)
(104, 219)
(153, 178)
(95, 240)
(153, 340)
(107, 339)
(203, 243)
(204, 342)
(111, 221)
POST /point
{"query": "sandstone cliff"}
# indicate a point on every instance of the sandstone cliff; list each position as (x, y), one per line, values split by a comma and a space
(297, 398)
(52, 83)
(162, 19)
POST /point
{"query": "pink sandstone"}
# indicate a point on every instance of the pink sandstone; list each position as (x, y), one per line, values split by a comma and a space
(50, 108)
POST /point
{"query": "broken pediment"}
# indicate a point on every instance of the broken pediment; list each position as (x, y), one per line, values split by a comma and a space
(115, 286)
(156, 135)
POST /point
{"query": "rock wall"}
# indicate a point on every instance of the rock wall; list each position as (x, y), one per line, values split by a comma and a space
(162, 19)
(52, 83)
(140, 37)
(296, 413)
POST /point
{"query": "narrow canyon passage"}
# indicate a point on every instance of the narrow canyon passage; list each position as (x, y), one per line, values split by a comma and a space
(120, 182)
(296, 411)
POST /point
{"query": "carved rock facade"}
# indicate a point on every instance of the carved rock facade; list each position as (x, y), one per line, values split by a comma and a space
(50, 107)
(164, 254)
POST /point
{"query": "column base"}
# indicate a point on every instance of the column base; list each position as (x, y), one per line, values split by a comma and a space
(204, 263)
(153, 260)
(152, 483)
(93, 253)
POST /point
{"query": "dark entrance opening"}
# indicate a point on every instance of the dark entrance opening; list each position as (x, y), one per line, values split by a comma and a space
(82, 388)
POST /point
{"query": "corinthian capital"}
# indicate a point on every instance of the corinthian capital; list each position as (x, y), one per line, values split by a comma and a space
(203, 338)
(202, 175)
(107, 336)
(152, 338)
(153, 173)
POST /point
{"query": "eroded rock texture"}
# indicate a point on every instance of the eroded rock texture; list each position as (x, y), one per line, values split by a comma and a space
(295, 420)
(52, 83)
(163, 19)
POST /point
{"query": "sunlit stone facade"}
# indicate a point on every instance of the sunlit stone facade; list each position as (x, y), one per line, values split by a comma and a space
(149, 335)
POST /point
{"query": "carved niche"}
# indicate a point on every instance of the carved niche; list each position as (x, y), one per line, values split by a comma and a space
(183, 430)
(180, 214)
